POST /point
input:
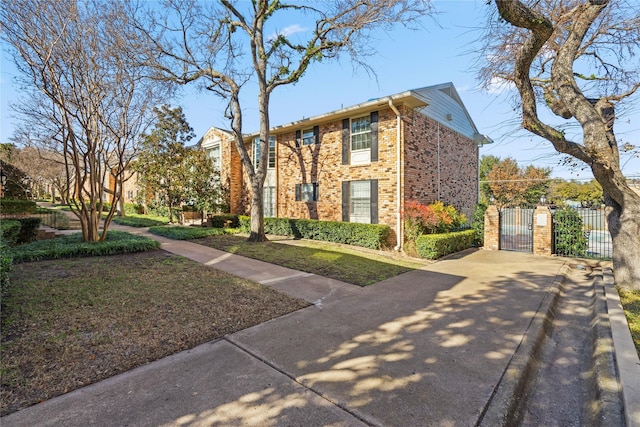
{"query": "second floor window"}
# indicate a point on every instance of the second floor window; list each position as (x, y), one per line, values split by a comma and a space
(361, 133)
(272, 152)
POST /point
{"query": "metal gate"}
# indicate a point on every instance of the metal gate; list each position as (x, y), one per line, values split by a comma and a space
(581, 232)
(516, 229)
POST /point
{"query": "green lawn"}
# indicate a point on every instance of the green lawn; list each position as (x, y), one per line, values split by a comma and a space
(348, 264)
(631, 304)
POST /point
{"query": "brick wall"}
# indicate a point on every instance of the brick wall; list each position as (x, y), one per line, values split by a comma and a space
(455, 181)
(322, 163)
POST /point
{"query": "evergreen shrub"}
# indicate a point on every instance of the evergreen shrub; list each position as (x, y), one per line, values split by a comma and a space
(433, 246)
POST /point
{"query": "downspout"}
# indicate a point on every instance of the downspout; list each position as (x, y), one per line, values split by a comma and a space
(438, 139)
(399, 230)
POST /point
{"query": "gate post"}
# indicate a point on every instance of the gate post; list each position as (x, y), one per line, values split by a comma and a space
(542, 231)
(492, 228)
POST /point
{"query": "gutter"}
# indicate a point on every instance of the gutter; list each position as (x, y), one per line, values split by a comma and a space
(399, 180)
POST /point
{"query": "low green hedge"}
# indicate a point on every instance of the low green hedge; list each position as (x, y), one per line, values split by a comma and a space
(6, 264)
(140, 221)
(433, 246)
(71, 246)
(374, 236)
(189, 233)
(221, 220)
(28, 229)
(9, 231)
(17, 207)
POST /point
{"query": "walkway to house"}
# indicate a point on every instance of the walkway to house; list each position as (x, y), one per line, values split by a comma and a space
(443, 345)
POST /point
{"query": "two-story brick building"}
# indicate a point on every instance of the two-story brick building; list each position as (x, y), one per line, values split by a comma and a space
(362, 163)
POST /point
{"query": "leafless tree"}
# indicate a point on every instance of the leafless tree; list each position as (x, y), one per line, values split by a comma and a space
(574, 64)
(226, 44)
(87, 98)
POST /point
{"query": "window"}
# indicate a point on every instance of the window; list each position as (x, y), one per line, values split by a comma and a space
(361, 133)
(308, 137)
(307, 192)
(360, 201)
(269, 195)
(360, 140)
(272, 152)
(214, 154)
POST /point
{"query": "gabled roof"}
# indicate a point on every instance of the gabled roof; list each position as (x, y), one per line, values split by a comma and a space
(446, 107)
(440, 102)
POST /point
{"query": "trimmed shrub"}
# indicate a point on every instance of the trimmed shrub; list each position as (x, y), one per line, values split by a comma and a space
(9, 231)
(189, 233)
(135, 220)
(6, 264)
(433, 246)
(17, 207)
(374, 236)
(570, 240)
(223, 220)
(28, 229)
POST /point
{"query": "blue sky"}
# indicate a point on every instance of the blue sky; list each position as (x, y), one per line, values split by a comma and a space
(406, 59)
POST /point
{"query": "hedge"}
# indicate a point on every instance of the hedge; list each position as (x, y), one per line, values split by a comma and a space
(6, 264)
(374, 236)
(17, 207)
(223, 220)
(9, 231)
(28, 229)
(433, 246)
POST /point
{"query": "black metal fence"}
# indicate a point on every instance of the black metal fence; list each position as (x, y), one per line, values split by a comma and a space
(54, 219)
(581, 232)
(516, 229)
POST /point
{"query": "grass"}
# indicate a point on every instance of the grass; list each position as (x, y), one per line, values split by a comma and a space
(68, 323)
(631, 304)
(340, 262)
(117, 242)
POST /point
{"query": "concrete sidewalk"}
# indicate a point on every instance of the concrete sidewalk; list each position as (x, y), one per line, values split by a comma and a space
(429, 347)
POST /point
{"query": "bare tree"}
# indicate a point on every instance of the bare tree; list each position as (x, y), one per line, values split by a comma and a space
(226, 44)
(88, 99)
(578, 60)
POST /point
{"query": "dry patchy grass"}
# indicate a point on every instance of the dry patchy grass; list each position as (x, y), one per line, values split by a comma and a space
(70, 323)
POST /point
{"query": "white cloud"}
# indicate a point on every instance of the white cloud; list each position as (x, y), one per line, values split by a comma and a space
(498, 85)
(288, 31)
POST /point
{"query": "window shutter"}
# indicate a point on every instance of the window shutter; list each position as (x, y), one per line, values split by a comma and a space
(316, 134)
(374, 136)
(374, 201)
(345, 141)
(298, 144)
(345, 201)
(315, 191)
(298, 192)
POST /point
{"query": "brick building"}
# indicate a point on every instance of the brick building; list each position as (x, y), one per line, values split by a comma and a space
(361, 163)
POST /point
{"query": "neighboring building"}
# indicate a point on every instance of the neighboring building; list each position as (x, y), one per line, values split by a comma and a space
(361, 163)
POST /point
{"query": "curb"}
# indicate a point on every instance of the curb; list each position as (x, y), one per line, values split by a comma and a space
(508, 401)
(605, 402)
(626, 356)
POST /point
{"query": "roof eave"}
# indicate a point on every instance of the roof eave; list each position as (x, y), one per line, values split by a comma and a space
(409, 99)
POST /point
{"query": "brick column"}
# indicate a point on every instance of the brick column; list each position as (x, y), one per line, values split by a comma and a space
(542, 231)
(492, 228)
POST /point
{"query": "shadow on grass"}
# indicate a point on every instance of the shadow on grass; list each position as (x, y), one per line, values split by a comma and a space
(344, 265)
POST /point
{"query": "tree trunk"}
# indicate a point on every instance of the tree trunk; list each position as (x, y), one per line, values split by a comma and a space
(624, 226)
(257, 233)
